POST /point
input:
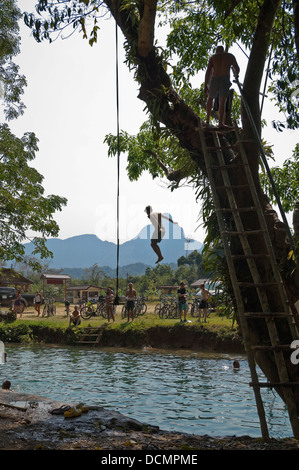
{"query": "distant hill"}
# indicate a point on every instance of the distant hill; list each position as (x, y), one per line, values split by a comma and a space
(83, 251)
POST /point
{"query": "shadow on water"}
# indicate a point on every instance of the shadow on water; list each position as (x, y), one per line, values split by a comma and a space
(184, 391)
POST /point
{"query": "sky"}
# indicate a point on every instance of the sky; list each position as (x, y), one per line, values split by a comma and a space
(71, 105)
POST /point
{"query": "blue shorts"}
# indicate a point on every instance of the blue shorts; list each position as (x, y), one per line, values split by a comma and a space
(219, 86)
(183, 306)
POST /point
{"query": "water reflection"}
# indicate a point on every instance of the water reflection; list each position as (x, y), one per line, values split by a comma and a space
(185, 391)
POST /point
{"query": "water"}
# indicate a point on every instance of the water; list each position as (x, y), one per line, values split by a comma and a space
(178, 391)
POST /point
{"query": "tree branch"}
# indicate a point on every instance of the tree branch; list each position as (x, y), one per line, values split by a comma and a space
(146, 32)
(296, 23)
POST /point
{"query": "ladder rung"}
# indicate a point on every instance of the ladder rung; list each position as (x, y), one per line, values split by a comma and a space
(224, 147)
(233, 186)
(236, 209)
(257, 284)
(251, 256)
(244, 233)
(228, 166)
(277, 347)
(86, 342)
(273, 384)
(266, 314)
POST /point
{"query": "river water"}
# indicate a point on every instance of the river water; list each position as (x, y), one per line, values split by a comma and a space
(181, 391)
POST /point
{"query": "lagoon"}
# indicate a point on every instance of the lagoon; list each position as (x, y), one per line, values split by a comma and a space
(182, 391)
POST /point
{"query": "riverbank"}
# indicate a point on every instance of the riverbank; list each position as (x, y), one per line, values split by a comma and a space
(105, 430)
(149, 331)
(35, 423)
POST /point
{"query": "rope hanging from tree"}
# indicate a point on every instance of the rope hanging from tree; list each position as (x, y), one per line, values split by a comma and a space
(116, 301)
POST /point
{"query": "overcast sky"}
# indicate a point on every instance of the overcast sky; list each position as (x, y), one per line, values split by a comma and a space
(71, 106)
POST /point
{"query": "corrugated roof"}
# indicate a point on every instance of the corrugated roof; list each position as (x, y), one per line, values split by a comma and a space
(85, 287)
(55, 276)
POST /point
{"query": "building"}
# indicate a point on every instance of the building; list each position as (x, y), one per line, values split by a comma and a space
(55, 279)
(84, 293)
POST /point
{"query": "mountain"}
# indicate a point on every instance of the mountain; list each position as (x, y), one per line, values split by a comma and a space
(83, 251)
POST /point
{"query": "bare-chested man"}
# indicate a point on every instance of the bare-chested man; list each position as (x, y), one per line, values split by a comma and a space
(217, 81)
(159, 232)
(205, 295)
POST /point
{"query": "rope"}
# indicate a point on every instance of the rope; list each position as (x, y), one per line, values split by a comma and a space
(116, 301)
(264, 159)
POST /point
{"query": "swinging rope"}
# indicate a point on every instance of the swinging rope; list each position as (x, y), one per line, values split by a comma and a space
(116, 301)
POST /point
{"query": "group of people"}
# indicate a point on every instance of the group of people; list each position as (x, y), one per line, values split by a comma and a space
(131, 296)
(183, 304)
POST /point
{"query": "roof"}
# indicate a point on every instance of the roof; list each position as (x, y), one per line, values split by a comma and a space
(55, 276)
(85, 287)
(200, 281)
(9, 276)
(168, 287)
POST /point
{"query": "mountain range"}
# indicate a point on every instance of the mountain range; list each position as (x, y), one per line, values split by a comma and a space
(83, 251)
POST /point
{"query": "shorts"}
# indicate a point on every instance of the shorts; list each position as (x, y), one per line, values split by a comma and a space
(183, 306)
(157, 236)
(219, 86)
(130, 304)
(203, 304)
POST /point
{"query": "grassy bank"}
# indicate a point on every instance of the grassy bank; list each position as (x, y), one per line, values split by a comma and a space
(218, 333)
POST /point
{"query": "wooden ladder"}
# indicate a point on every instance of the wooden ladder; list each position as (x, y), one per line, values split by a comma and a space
(92, 335)
(214, 160)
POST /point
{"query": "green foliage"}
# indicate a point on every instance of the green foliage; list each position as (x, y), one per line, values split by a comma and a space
(11, 82)
(286, 181)
(153, 149)
(23, 207)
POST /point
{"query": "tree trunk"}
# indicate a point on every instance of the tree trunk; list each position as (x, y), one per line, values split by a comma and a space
(167, 106)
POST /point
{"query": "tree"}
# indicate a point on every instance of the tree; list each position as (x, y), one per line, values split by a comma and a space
(23, 207)
(264, 27)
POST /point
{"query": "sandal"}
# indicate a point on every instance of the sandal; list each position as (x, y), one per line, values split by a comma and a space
(73, 412)
(59, 411)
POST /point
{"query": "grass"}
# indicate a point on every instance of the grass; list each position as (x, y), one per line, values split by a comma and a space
(31, 327)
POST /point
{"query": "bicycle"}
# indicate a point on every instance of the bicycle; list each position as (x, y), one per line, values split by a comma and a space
(90, 310)
(49, 308)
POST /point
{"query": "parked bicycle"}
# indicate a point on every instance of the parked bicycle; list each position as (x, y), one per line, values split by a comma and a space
(49, 308)
(93, 309)
(140, 308)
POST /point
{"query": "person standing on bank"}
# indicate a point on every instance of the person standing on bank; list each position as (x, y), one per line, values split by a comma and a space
(159, 232)
(109, 302)
(18, 303)
(205, 295)
(182, 301)
(131, 296)
(37, 302)
(217, 81)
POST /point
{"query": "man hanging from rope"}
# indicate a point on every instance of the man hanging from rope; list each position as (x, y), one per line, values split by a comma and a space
(217, 81)
(159, 232)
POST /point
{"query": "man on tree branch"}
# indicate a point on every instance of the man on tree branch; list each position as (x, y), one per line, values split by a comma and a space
(217, 81)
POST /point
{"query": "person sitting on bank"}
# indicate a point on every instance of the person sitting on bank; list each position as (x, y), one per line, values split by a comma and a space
(75, 317)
